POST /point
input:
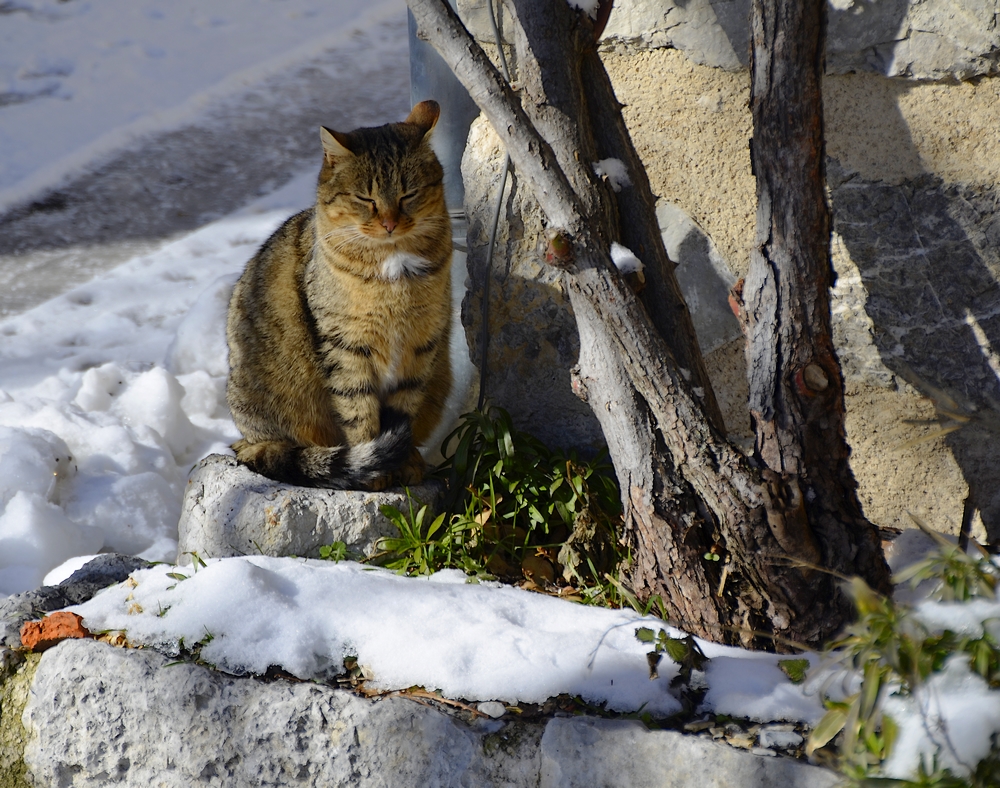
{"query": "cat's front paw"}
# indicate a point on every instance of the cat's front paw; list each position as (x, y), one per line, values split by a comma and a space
(381, 483)
(413, 469)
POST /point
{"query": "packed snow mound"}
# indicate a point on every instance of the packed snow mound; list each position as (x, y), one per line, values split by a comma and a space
(111, 392)
(469, 640)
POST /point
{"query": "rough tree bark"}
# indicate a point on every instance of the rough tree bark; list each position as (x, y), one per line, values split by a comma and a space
(686, 491)
(796, 385)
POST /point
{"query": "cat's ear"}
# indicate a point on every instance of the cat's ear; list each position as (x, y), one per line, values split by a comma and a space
(424, 116)
(334, 145)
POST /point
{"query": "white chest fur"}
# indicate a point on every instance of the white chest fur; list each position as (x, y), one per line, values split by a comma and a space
(400, 264)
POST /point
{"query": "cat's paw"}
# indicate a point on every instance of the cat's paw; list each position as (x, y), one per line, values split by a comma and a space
(381, 483)
(413, 469)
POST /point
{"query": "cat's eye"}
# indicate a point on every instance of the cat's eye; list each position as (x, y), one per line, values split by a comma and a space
(408, 196)
(367, 200)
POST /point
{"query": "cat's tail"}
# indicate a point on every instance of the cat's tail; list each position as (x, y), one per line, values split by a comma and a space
(334, 467)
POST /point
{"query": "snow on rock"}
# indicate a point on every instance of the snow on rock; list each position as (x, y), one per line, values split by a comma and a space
(750, 685)
(470, 641)
(952, 718)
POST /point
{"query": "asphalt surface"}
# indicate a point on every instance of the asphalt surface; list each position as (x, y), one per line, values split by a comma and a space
(172, 182)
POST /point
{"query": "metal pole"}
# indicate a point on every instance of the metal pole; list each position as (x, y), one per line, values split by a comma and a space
(430, 78)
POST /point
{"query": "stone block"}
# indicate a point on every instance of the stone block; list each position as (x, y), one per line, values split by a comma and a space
(533, 339)
(230, 510)
(588, 752)
(103, 571)
(212, 729)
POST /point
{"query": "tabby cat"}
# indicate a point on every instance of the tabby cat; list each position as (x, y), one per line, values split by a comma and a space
(339, 327)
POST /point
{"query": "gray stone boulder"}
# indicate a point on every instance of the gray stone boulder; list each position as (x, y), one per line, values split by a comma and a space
(229, 510)
(86, 581)
(102, 716)
(89, 715)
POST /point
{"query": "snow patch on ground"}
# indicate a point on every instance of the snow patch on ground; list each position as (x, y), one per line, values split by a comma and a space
(112, 391)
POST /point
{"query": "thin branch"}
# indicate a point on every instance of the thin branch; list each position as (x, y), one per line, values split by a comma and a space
(531, 154)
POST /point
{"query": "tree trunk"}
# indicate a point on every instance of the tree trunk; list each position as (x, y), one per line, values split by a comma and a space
(686, 491)
(796, 386)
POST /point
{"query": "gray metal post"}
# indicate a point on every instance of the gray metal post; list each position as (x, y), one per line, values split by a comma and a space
(430, 78)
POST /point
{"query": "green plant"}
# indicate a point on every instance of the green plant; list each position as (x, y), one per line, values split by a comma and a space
(335, 551)
(956, 575)
(894, 652)
(795, 669)
(684, 651)
(514, 509)
(421, 547)
(986, 775)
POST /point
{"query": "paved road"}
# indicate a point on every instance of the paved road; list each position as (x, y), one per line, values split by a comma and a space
(173, 182)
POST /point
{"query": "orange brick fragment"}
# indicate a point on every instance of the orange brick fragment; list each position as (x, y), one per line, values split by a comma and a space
(40, 635)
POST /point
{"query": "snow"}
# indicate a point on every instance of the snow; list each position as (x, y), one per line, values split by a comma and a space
(127, 391)
(112, 390)
(615, 171)
(624, 260)
(469, 641)
(589, 7)
(952, 717)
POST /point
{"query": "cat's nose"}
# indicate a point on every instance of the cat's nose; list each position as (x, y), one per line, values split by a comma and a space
(389, 224)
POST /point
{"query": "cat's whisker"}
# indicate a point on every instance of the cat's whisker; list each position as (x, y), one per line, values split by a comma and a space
(342, 238)
(348, 230)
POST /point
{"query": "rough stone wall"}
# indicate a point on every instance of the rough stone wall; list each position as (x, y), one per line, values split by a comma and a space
(914, 177)
(913, 172)
(533, 340)
(922, 39)
(99, 716)
(15, 689)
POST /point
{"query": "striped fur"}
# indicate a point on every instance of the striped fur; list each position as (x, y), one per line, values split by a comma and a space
(339, 327)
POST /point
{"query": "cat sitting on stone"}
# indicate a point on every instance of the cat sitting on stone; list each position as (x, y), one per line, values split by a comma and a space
(339, 327)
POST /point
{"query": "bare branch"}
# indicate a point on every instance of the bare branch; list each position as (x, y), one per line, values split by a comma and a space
(531, 154)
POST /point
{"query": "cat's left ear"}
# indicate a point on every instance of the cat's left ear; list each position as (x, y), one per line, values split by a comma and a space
(424, 116)
(334, 145)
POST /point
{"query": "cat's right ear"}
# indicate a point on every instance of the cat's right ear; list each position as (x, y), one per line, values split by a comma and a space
(424, 116)
(334, 145)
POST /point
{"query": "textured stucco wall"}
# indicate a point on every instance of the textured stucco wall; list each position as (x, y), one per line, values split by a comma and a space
(913, 171)
(912, 108)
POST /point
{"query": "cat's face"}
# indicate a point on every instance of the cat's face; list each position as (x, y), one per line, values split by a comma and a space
(380, 185)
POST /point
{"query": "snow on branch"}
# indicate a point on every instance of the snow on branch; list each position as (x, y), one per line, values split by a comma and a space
(624, 260)
(614, 172)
